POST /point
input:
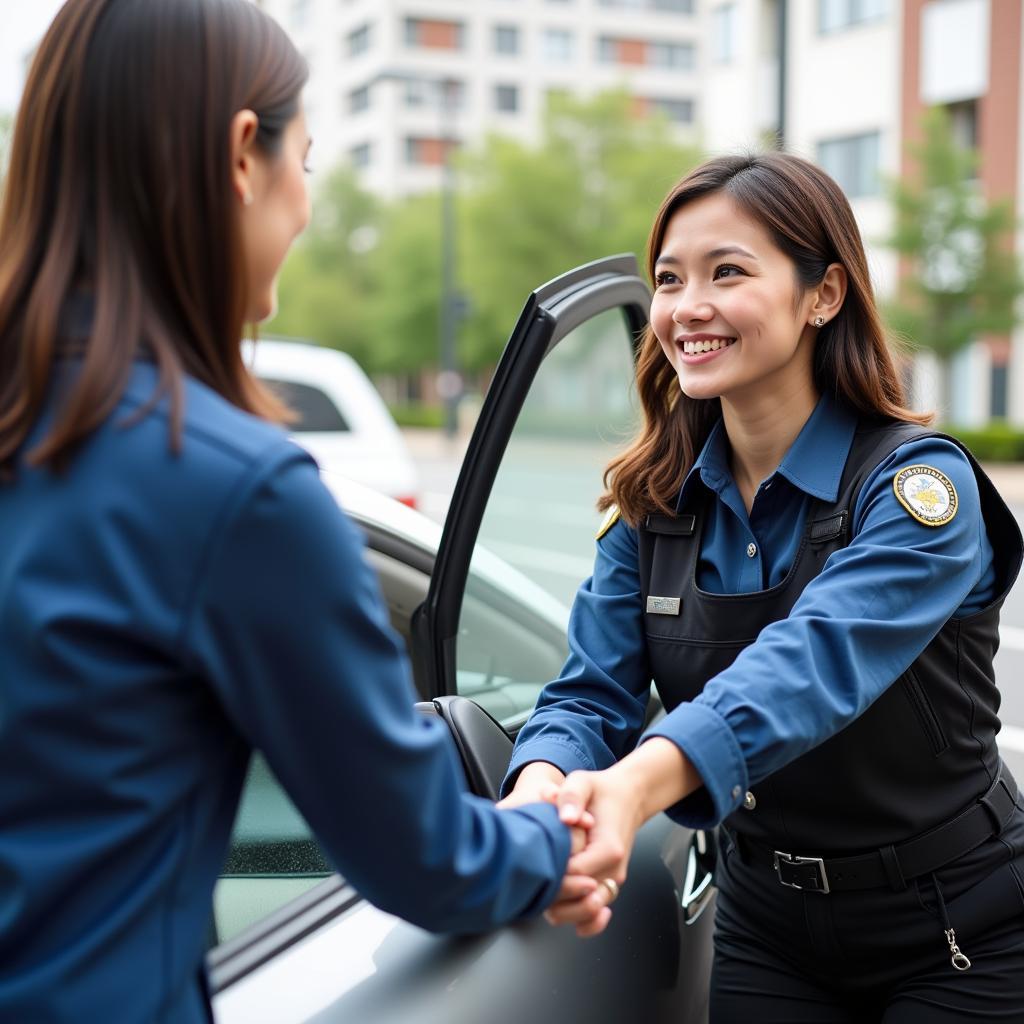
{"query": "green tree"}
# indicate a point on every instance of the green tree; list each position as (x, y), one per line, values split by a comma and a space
(962, 277)
(326, 282)
(590, 188)
(406, 301)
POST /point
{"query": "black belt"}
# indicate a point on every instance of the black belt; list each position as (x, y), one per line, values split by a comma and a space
(892, 865)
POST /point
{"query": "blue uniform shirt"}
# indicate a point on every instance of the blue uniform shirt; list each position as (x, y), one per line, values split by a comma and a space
(855, 628)
(161, 615)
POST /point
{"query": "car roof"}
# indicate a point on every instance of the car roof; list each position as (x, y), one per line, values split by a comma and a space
(373, 509)
(330, 371)
(298, 352)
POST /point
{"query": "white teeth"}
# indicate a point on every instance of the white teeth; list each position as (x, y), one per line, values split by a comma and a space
(692, 348)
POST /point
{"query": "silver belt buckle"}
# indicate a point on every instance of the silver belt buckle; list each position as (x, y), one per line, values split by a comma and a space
(781, 859)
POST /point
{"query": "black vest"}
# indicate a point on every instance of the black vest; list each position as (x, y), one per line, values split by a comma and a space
(919, 754)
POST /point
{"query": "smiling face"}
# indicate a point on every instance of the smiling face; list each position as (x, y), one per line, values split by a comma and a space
(728, 310)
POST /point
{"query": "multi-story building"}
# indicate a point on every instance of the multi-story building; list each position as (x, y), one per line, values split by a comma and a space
(396, 82)
(844, 82)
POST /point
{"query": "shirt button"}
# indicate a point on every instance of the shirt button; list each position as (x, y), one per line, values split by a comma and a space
(751, 550)
(749, 801)
(736, 791)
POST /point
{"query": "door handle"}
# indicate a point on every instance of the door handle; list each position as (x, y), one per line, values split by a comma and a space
(698, 887)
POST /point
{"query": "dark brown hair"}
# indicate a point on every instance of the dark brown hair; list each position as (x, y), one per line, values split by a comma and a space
(810, 220)
(120, 189)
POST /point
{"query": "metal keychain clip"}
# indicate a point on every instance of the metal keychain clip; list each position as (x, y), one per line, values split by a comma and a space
(958, 960)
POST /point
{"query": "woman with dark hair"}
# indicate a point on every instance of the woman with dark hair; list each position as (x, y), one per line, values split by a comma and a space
(176, 585)
(810, 577)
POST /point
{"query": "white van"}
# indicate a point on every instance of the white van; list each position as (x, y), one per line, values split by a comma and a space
(343, 422)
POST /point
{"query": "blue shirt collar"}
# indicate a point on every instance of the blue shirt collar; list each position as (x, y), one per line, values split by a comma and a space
(814, 462)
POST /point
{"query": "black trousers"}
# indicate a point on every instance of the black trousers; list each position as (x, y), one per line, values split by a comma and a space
(874, 956)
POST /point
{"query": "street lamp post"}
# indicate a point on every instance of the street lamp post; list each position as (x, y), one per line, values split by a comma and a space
(449, 381)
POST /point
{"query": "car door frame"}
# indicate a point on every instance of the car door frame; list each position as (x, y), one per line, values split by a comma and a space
(552, 312)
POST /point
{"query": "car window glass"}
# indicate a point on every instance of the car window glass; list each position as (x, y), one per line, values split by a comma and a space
(541, 516)
(273, 856)
(315, 410)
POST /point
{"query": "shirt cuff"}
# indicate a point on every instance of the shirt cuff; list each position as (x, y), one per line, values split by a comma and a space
(705, 738)
(563, 754)
(546, 815)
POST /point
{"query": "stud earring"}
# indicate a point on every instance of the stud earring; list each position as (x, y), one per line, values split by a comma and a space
(247, 199)
(819, 321)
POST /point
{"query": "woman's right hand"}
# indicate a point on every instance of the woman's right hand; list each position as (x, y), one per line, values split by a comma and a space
(538, 782)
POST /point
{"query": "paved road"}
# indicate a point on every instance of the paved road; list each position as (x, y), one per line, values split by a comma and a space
(541, 521)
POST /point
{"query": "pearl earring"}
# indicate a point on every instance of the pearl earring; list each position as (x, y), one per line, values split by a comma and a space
(819, 321)
(247, 199)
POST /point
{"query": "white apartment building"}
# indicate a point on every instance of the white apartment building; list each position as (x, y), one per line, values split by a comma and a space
(844, 82)
(395, 82)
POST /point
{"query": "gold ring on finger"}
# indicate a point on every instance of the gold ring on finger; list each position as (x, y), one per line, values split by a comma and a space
(613, 888)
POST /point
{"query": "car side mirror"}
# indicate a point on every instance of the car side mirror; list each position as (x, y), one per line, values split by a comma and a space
(484, 747)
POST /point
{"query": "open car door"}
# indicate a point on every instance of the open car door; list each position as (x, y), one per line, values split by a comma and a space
(560, 405)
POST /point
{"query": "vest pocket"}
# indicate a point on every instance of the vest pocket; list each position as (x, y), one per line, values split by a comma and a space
(925, 712)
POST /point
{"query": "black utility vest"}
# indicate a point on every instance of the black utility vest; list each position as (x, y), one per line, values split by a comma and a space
(920, 754)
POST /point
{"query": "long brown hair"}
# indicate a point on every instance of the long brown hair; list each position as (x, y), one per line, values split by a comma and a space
(119, 188)
(810, 220)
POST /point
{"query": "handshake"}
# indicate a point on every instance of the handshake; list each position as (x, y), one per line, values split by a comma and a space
(603, 811)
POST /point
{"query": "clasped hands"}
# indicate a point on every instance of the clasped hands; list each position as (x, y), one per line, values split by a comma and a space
(603, 813)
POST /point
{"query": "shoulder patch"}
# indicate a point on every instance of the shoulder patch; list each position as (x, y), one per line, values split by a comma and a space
(609, 521)
(928, 495)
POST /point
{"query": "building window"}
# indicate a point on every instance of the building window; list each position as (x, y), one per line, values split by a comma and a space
(640, 52)
(678, 56)
(613, 50)
(723, 34)
(506, 98)
(422, 151)
(680, 111)
(359, 40)
(359, 100)
(360, 155)
(853, 162)
(429, 93)
(834, 15)
(506, 39)
(434, 35)
(1000, 391)
(557, 45)
(676, 6)
(963, 123)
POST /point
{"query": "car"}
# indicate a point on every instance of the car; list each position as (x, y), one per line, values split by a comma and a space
(341, 419)
(482, 603)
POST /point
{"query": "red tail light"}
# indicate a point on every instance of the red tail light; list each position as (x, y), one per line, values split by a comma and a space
(409, 500)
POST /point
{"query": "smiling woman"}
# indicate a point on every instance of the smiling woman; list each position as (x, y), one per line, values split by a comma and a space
(811, 578)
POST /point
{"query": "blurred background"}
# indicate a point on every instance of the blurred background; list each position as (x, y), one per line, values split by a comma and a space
(466, 151)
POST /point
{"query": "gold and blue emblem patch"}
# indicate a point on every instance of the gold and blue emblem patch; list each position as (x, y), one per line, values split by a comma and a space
(928, 495)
